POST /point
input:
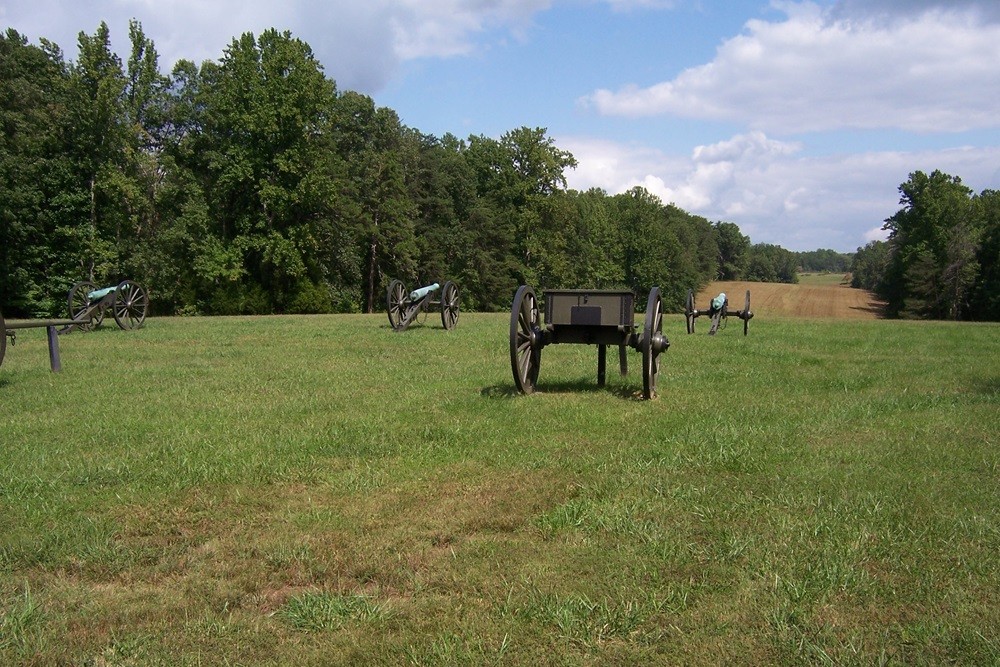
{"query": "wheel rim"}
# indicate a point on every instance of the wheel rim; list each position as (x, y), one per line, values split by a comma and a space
(394, 297)
(130, 305)
(651, 336)
(79, 304)
(746, 314)
(449, 305)
(525, 351)
(689, 312)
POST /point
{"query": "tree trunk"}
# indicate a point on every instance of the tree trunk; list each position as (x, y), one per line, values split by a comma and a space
(372, 274)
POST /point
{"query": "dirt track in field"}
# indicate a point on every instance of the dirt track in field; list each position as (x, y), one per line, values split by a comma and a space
(835, 301)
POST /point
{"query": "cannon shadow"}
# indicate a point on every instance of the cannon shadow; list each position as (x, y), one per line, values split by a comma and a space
(581, 386)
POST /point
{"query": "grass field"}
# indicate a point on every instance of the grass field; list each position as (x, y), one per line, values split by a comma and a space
(816, 296)
(320, 490)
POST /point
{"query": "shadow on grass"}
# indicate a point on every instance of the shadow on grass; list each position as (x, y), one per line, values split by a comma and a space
(572, 387)
(876, 308)
(987, 387)
(5, 381)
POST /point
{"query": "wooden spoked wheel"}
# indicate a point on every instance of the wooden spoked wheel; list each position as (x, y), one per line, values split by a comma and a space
(130, 305)
(689, 312)
(395, 296)
(652, 344)
(747, 314)
(79, 305)
(449, 305)
(525, 342)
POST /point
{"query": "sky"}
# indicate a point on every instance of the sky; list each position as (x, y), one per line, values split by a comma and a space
(797, 120)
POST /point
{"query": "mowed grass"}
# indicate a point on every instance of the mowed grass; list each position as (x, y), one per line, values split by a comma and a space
(320, 490)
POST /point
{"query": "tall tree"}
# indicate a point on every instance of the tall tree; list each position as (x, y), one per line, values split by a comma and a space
(258, 144)
(41, 205)
(770, 263)
(868, 266)
(101, 150)
(986, 297)
(380, 156)
(734, 251)
(933, 241)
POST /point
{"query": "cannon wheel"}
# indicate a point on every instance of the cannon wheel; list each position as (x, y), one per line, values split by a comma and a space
(79, 304)
(525, 350)
(650, 351)
(746, 314)
(130, 305)
(449, 305)
(394, 297)
(3, 339)
(689, 312)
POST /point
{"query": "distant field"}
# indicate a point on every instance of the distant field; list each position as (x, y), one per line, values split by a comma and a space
(319, 490)
(816, 296)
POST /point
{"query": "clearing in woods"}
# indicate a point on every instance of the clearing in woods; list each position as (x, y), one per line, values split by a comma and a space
(816, 296)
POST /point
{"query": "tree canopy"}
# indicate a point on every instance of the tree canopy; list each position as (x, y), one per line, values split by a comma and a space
(252, 184)
(942, 254)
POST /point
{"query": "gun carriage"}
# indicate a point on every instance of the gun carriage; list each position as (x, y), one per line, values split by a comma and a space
(127, 302)
(588, 317)
(403, 307)
(718, 311)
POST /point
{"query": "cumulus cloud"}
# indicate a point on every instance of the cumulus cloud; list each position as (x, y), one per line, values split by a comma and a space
(361, 44)
(800, 202)
(442, 28)
(823, 69)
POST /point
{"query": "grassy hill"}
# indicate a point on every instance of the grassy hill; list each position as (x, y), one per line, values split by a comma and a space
(320, 490)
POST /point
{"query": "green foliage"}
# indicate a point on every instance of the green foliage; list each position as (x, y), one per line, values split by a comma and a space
(869, 265)
(934, 246)
(771, 264)
(42, 201)
(734, 251)
(251, 185)
(986, 294)
(823, 261)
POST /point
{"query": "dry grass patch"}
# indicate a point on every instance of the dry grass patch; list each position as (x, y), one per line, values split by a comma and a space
(817, 300)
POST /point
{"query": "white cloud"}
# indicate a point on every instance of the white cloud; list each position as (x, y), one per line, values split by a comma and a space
(799, 202)
(926, 72)
(442, 28)
(875, 234)
(360, 44)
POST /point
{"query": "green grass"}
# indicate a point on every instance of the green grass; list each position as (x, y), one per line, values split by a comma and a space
(824, 279)
(321, 490)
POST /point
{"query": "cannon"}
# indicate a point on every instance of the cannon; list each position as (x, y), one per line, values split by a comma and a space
(403, 307)
(588, 317)
(127, 301)
(718, 311)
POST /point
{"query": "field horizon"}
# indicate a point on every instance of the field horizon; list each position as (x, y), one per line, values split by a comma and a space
(317, 490)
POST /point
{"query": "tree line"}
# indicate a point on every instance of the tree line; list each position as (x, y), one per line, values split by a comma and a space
(941, 259)
(252, 185)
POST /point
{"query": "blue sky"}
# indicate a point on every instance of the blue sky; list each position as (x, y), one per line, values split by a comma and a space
(797, 120)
